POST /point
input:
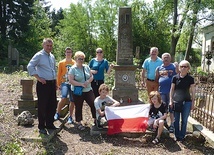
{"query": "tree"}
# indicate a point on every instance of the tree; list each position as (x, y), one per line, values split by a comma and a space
(55, 18)
(14, 19)
(105, 27)
(39, 28)
(150, 27)
(198, 7)
(74, 29)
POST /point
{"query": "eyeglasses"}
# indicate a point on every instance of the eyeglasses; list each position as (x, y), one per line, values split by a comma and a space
(80, 59)
(183, 66)
(99, 51)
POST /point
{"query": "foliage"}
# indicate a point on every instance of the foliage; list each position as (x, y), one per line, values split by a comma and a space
(39, 29)
(12, 148)
(14, 19)
(170, 25)
(201, 72)
(150, 27)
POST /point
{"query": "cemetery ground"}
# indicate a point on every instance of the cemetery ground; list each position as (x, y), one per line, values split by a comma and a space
(72, 141)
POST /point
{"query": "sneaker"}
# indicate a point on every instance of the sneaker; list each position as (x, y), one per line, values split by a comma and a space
(43, 131)
(171, 129)
(56, 116)
(70, 120)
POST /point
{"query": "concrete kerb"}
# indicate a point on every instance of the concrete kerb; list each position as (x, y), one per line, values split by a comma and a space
(196, 126)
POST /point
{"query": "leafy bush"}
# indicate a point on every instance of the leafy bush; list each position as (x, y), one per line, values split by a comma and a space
(201, 72)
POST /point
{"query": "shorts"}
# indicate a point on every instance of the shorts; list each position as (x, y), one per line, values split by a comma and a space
(65, 91)
(151, 121)
(165, 99)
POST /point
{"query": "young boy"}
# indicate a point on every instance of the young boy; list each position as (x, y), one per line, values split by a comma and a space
(157, 114)
(100, 102)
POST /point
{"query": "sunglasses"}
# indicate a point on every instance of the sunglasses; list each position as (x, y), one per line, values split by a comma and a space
(100, 52)
(183, 66)
(80, 59)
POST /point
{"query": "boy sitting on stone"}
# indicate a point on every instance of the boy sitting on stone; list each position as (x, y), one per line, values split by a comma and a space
(100, 102)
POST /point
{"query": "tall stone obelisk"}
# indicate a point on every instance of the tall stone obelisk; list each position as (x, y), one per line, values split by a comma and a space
(124, 85)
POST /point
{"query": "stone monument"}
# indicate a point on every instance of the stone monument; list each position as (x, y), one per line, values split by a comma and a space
(27, 102)
(124, 86)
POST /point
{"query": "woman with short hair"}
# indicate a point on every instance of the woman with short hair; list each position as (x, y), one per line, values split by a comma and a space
(182, 97)
(80, 75)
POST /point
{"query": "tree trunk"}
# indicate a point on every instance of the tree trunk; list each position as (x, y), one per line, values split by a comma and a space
(174, 39)
(193, 24)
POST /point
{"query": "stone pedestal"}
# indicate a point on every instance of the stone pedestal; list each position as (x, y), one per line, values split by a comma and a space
(124, 85)
(27, 102)
(27, 89)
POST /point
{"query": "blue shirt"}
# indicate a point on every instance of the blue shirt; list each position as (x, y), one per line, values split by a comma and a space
(43, 64)
(165, 77)
(79, 76)
(150, 66)
(100, 66)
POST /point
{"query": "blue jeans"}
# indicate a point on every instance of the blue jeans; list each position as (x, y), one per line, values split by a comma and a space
(180, 132)
(165, 99)
(65, 91)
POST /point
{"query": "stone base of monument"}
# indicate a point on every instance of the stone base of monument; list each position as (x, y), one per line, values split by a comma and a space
(95, 131)
(31, 106)
(125, 103)
(26, 105)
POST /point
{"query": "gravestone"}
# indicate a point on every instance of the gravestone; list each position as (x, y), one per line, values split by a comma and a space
(124, 86)
(13, 56)
(27, 101)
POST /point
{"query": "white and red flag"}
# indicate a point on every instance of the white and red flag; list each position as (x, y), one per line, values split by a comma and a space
(133, 118)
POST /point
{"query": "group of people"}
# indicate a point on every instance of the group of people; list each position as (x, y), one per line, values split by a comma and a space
(170, 89)
(167, 85)
(71, 73)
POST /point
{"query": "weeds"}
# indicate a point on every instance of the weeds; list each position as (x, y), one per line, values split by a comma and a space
(12, 148)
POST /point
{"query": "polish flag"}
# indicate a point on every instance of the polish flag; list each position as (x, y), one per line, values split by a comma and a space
(133, 118)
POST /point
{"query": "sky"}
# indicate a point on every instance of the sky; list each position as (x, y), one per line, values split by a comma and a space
(66, 3)
(62, 3)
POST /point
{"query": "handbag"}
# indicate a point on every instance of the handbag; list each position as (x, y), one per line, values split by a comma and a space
(78, 89)
(178, 106)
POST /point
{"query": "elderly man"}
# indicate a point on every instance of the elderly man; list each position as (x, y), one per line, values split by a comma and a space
(164, 74)
(148, 73)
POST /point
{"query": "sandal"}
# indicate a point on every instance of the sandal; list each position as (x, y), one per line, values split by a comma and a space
(156, 140)
(81, 127)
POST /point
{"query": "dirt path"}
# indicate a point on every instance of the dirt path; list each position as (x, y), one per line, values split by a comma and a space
(70, 141)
